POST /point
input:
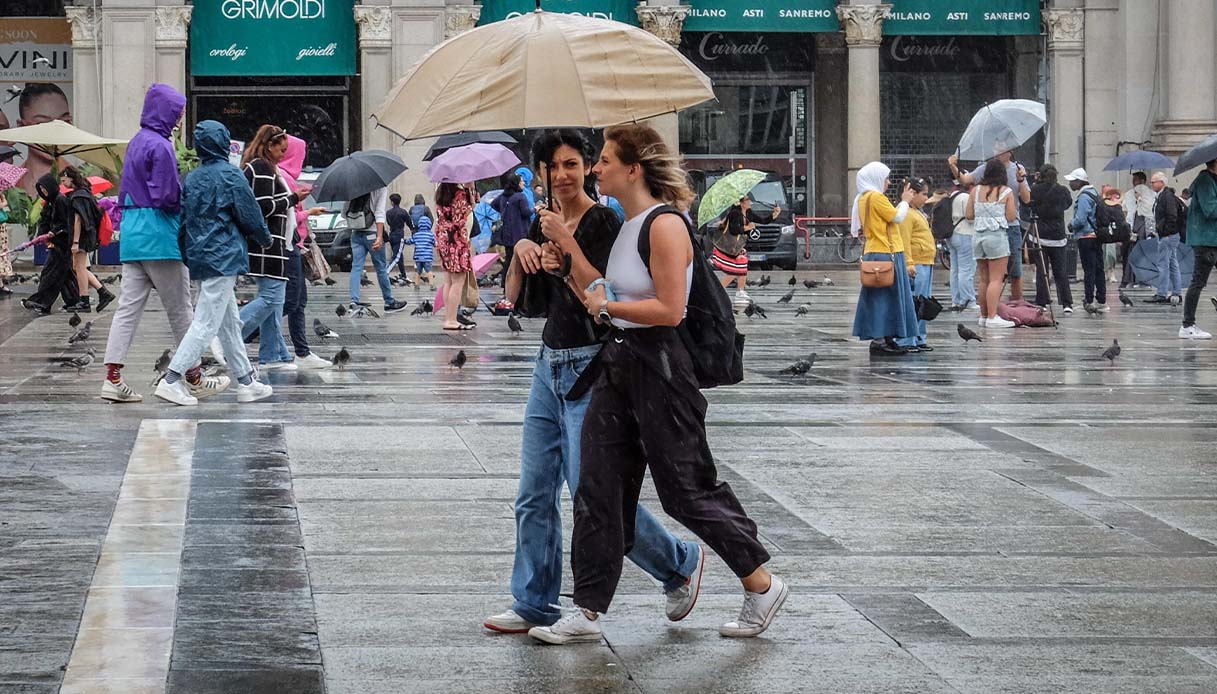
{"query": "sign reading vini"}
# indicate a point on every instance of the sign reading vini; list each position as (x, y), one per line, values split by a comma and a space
(963, 17)
(272, 37)
(616, 10)
(763, 15)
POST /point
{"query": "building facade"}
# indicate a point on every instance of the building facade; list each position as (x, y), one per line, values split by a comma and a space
(808, 89)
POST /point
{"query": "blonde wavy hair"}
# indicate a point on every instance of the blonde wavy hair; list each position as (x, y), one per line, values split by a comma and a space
(665, 177)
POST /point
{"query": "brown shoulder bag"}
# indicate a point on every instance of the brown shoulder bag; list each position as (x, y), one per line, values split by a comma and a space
(878, 274)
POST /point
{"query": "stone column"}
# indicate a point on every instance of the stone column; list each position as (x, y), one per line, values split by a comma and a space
(666, 22)
(863, 34)
(1191, 95)
(172, 31)
(1066, 29)
(460, 18)
(86, 90)
(375, 27)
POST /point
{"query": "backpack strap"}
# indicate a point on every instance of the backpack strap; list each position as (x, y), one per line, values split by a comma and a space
(644, 236)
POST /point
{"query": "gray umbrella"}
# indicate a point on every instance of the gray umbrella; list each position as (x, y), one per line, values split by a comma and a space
(447, 142)
(357, 174)
(1204, 152)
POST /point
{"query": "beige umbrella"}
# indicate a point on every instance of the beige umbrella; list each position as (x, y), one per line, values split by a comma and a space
(58, 139)
(540, 70)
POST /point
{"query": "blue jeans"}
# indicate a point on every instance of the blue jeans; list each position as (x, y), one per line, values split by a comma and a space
(923, 285)
(1014, 233)
(215, 315)
(963, 270)
(1169, 281)
(361, 248)
(294, 302)
(265, 314)
(549, 456)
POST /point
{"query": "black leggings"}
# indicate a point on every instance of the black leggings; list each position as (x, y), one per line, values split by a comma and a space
(57, 277)
(1056, 259)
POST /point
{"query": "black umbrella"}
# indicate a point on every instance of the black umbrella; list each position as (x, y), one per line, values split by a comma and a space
(357, 174)
(447, 142)
(1202, 153)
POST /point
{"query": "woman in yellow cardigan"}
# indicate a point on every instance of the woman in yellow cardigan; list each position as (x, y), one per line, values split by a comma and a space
(884, 314)
(920, 252)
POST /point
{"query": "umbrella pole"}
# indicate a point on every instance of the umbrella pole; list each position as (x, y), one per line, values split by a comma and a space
(1039, 246)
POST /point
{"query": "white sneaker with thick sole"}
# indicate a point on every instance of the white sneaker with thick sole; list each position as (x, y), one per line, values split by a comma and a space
(119, 392)
(279, 366)
(981, 321)
(682, 600)
(758, 611)
(256, 390)
(177, 393)
(508, 623)
(1191, 332)
(574, 627)
(209, 386)
(998, 322)
(311, 362)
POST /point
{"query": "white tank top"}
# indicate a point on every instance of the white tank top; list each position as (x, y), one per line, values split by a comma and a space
(627, 274)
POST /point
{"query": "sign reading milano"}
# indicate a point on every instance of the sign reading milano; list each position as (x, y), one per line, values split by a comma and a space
(272, 37)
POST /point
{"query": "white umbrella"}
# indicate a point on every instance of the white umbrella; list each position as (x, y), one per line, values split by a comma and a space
(1001, 126)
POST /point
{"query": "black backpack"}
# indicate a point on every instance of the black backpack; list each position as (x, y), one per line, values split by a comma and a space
(359, 214)
(942, 225)
(708, 330)
(1110, 226)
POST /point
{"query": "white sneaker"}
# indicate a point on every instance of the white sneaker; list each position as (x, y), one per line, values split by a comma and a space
(508, 623)
(279, 366)
(982, 320)
(254, 391)
(119, 392)
(1191, 332)
(574, 627)
(1068, 310)
(682, 600)
(312, 361)
(758, 611)
(1103, 308)
(177, 393)
(209, 386)
(741, 295)
(998, 322)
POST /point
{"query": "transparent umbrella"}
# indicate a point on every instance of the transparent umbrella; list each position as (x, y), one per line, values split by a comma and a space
(1001, 126)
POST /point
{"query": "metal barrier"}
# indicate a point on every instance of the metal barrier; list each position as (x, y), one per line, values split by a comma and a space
(806, 227)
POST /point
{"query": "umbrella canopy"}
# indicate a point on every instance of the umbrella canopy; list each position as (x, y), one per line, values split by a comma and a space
(1202, 153)
(727, 191)
(58, 139)
(10, 175)
(7, 153)
(1000, 127)
(447, 142)
(1144, 261)
(471, 163)
(481, 263)
(1141, 159)
(356, 174)
(540, 70)
(97, 184)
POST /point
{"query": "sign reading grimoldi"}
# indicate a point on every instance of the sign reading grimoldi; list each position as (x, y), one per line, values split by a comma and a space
(762, 15)
(963, 17)
(616, 10)
(273, 37)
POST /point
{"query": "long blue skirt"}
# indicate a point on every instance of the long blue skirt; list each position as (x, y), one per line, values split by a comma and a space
(886, 312)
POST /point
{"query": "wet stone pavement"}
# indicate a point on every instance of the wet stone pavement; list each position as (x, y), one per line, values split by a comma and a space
(1008, 517)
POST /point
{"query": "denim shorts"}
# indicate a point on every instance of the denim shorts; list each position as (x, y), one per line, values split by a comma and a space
(991, 245)
(422, 267)
(1014, 233)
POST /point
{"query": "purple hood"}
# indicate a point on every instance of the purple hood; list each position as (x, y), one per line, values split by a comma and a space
(150, 176)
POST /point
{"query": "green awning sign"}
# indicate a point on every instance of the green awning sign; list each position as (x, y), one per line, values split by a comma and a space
(273, 37)
(963, 17)
(808, 16)
(616, 10)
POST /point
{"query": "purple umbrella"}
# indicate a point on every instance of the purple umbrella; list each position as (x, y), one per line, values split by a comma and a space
(471, 163)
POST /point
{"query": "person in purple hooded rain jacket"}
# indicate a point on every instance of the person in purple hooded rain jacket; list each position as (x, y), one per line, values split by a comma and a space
(150, 197)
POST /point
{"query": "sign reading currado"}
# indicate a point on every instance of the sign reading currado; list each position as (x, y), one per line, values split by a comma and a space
(273, 37)
(616, 10)
(963, 17)
(763, 15)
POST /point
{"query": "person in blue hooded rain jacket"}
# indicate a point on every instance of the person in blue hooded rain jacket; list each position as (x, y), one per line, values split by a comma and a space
(219, 214)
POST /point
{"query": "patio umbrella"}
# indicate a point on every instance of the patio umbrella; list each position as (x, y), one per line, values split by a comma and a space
(471, 163)
(541, 70)
(356, 174)
(1141, 159)
(1203, 152)
(447, 142)
(725, 192)
(58, 139)
(1001, 126)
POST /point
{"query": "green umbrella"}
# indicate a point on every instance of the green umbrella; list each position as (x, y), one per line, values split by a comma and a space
(727, 191)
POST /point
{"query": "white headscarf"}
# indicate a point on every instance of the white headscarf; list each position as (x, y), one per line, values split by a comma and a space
(870, 178)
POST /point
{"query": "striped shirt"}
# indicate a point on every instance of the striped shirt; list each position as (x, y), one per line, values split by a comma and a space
(424, 241)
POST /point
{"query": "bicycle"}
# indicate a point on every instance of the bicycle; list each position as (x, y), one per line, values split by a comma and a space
(849, 247)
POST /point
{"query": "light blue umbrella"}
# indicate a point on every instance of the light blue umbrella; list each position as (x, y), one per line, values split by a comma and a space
(1140, 160)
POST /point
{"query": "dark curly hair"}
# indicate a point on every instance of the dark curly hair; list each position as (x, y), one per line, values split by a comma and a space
(544, 147)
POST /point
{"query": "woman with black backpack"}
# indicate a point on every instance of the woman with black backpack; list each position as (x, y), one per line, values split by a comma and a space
(646, 409)
(83, 223)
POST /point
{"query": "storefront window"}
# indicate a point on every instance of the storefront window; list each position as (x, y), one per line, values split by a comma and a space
(747, 118)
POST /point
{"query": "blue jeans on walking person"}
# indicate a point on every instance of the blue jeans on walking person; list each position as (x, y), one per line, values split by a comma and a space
(361, 248)
(1014, 234)
(923, 285)
(265, 314)
(295, 299)
(215, 315)
(963, 270)
(1169, 281)
(549, 456)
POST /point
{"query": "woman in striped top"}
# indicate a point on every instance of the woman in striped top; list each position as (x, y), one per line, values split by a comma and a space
(260, 164)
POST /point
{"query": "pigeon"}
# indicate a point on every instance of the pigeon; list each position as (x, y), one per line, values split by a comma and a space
(365, 312)
(330, 281)
(14, 91)
(459, 360)
(82, 335)
(810, 284)
(323, 331)
(418, 311)
(753, 283)
(1214, 300)
(827, 281)
(341, 310)
(967, 333)
(316, 283)
(803, 310)
(111, 279)
(428, 307)
(786, 297)
(752, 310)
(765, 280)
(364, 281)
(1125, 300)
(800, 367)
(1091, 310)
(79, 363)
(791, 282)
(42, 60)
(1112, 352)
(514, 324)
(341, 358)
(74, 320)
(160, 367)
